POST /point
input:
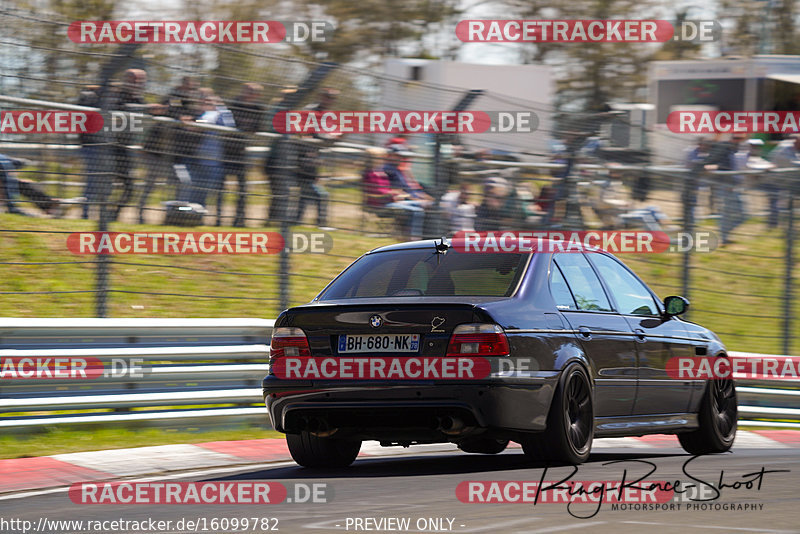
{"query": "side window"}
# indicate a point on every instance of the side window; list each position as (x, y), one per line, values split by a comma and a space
(629, 292)
(583, 282)
(560, 290)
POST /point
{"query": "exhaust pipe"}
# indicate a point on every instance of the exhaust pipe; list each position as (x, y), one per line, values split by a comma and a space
(451, 425)
(315, 424)
(319, 427)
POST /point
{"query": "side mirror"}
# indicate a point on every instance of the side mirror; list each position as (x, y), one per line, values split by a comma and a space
(675, 306)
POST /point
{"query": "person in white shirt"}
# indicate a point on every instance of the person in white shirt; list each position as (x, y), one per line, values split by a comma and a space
(785, 155)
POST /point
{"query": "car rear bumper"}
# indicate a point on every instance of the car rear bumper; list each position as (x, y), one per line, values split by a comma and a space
(410, 410)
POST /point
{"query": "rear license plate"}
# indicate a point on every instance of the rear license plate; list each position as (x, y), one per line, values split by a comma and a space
(379, 343)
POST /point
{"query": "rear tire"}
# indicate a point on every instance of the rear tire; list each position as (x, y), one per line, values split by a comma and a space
(483, 445)
(717, 418)
(570, 423)
(311, 451)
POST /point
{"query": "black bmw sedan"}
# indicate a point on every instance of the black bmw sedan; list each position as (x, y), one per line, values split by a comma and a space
(420, 343)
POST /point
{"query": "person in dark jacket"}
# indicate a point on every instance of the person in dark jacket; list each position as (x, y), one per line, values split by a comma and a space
(248, 114)
(157, 156)
(91, 153)
(721, 157)
(311, 192)
(182, 100)
(279, 166)
(129, 98)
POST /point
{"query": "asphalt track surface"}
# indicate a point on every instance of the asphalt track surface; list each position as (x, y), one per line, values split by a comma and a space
(419, 486)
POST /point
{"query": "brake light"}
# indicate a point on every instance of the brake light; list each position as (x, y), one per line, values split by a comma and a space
(478, 339)
(288, 341)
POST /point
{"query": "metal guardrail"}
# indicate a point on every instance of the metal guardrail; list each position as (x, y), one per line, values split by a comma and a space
(199, 372)
(194, 372)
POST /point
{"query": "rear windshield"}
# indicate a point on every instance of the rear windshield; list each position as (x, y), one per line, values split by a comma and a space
(422, 272)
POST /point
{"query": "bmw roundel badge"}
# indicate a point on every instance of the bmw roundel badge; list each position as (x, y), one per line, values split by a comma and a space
(375, 321)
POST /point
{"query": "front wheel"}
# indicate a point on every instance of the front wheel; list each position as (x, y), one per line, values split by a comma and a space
(312, 451)
(717, 418)
(570, 423)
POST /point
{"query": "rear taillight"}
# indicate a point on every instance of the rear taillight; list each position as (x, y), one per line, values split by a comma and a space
(288, 341)
(478, 339)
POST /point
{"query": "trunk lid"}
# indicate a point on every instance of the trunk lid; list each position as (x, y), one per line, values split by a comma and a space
(429, 323)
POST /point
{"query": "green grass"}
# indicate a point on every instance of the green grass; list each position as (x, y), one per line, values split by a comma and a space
(59, 441)
(736, 290)
(204, 280)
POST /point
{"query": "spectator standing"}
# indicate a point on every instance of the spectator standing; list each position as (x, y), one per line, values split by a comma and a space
(248, 115)
(695, 161)
(722, 156)
(205, 166)
(751, 159)
(91, 153)
(157, 157)
(129, 98)
(784, 156)
(311, 192)
(279, 167)
(182, 100)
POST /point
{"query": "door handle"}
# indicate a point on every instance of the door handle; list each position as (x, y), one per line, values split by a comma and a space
(640, 335)
(585, 332)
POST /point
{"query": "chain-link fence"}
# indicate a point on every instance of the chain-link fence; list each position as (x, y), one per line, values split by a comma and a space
(194, 148)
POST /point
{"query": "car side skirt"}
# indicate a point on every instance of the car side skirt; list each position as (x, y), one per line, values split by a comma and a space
(641, 425)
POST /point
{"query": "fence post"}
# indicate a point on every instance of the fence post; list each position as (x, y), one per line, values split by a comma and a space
(103, 271)
(283, 267)
(788, 300)
(689, 200)
(105, 184)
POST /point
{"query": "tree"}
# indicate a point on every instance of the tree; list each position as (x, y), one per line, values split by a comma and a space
(589, 75)
(370, 30)
(47, 63)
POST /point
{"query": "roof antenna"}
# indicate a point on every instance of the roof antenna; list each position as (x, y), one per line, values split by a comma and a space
(441, 248)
